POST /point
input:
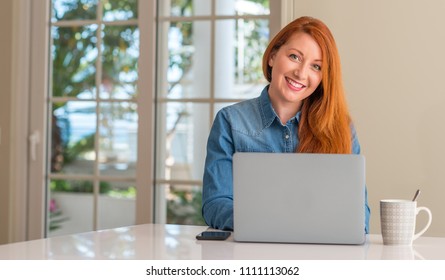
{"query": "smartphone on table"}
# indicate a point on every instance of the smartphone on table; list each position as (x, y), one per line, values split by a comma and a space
(213, 235)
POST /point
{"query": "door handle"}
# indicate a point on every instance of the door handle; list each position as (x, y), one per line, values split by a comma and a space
(34, 140)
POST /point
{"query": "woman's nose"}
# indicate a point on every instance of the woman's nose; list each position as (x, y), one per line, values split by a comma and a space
(301, 71)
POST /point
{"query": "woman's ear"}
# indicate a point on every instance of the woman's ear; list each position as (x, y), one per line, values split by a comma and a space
(271, 59)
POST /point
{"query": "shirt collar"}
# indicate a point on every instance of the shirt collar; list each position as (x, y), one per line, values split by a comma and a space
(268, 112)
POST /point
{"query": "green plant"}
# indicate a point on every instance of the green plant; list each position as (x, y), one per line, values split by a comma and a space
(78, 186)
(122, 193)
(184, 207)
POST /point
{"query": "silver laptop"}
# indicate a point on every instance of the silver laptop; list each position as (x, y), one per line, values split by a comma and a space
(299, 198)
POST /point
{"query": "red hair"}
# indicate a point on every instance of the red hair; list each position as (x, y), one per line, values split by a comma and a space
(325, 120)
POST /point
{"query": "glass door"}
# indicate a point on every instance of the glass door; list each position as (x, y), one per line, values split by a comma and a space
(94, 126)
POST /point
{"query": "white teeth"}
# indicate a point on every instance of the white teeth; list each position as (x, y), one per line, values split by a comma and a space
(295, 84)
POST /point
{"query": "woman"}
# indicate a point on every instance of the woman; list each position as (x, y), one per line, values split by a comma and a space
(303, 110)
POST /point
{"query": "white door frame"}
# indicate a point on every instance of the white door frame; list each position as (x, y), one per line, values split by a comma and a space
(39, 82)
(29, 80)
(19, 120)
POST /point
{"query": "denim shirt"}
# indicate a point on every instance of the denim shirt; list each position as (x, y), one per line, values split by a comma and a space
(248, 126)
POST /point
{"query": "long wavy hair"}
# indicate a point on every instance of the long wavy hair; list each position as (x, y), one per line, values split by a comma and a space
(325, 120)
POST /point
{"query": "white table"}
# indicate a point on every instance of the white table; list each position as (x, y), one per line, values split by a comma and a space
(173, 242)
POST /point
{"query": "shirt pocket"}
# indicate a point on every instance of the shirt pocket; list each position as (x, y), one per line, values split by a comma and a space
(244, 142)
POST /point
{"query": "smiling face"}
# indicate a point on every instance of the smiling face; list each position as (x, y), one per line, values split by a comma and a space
(296, 71)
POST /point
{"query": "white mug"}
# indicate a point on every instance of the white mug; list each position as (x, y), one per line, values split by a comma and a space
(398, 221)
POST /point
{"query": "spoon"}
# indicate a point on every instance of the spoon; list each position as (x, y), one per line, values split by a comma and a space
(416, 195)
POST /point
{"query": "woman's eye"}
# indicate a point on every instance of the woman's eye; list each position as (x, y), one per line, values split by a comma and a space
(295, 57)
(317, 67)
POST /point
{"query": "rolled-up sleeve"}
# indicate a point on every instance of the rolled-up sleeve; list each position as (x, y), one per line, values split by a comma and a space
(217, 204)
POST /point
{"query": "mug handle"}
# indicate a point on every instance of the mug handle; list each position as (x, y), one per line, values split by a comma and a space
(430, 218)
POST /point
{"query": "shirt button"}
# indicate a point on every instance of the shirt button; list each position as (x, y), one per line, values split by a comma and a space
(287, 136)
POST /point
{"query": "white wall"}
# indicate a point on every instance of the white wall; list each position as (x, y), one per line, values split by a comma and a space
(393, 58)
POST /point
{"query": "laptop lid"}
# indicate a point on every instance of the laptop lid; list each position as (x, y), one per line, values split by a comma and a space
(299, 198)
